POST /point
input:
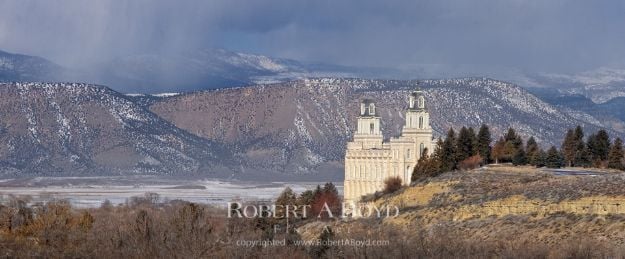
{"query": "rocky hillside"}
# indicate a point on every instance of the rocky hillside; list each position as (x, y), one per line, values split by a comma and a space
(80, 129)
(295, 126)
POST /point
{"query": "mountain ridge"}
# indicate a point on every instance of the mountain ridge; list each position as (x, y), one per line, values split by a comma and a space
(297, 125)
(83, 129)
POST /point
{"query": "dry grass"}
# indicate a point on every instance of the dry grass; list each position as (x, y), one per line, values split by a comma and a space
(429, 226)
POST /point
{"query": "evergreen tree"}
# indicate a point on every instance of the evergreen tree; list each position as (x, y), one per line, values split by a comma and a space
(583, 157)
(464, 145)
(306, 198)
(616, 156)
(531, 150)
(518, 142)
(581, 154)
(317, 191)
(423, 168)
(286, 198)
(510, 135)
(599, 146)
(437, 157)
(573, 147)
(540, 159)
(591, 145)
(448, 156)
(519, 157)
(473, 138)
(554, 158)
(329, 188)
(483, 143)
(603, 144)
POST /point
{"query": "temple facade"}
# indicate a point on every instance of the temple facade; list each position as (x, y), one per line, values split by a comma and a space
(369, 160)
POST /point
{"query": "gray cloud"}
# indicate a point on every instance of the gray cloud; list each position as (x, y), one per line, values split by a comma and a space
(534, 35)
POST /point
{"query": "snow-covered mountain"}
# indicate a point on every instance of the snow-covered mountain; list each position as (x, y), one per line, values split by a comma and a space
(80, 129)
(296, 126)
(17, 67)
(600, 85)
(292, 128)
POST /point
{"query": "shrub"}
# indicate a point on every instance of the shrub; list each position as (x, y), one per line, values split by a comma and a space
(471, 163)
(392, 184)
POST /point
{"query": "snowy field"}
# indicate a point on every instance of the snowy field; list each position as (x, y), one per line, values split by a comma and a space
(92, 191)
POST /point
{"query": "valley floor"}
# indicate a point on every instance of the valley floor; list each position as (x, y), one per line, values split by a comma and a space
(89, 192)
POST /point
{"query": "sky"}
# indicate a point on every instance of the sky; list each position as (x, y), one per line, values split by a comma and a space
(531, 35)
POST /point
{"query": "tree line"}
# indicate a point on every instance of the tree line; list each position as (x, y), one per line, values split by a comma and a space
(467, 150)
(315, 200)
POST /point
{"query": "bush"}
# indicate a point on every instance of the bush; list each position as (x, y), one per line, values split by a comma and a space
(471, 163)
(392, 184)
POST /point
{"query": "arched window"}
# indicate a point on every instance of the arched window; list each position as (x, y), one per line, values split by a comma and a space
(421, 102)
(408, 153)
(371, 109)
(420, 122)
(371, 128)
(421, 147)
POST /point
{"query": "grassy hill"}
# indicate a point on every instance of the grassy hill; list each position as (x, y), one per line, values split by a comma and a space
(500, 211)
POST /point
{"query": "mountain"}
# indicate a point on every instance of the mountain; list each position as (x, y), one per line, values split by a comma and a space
(80, 129)
(179, 72)
(21, 68)
(291, 130)
(204, 69)
(599, 93)
(610, 113)
(301, 125)
(599, 85)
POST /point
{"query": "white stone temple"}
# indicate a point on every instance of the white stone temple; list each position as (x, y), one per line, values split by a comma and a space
(369, 160)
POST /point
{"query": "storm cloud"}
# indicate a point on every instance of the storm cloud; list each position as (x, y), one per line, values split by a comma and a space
(534, 35)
